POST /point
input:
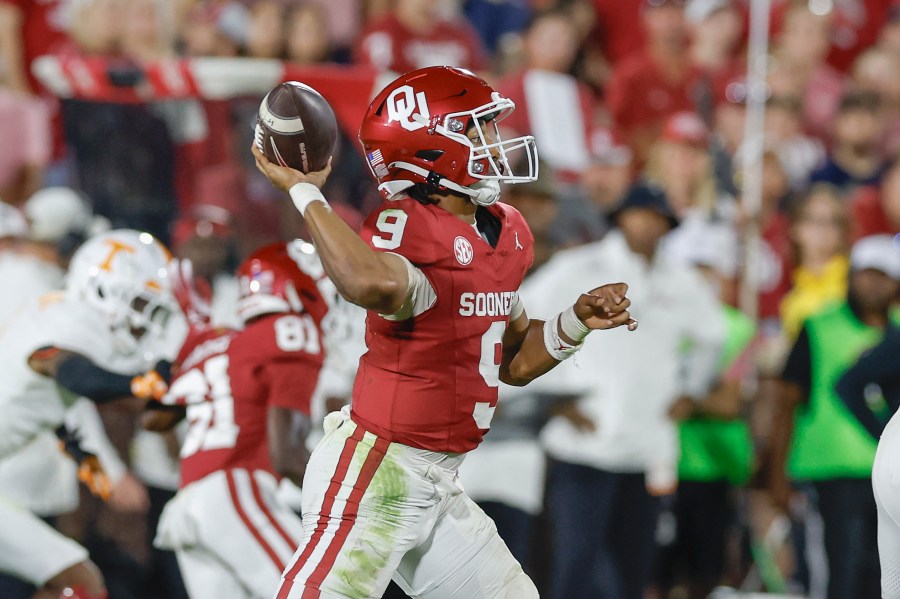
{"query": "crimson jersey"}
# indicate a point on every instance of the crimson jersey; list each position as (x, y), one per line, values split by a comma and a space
(228, 379)
(431, 381)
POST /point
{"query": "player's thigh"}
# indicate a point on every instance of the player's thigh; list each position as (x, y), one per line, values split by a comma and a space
(464, 558)
(233, 517)
(364, 506)
(886, 486)
(33, 550)
(205, 576)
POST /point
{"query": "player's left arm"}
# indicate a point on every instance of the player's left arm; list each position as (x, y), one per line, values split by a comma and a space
(80, 375)
(533, 347)
(291, 380)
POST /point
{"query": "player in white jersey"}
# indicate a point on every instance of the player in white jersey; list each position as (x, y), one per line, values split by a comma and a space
(86, 341)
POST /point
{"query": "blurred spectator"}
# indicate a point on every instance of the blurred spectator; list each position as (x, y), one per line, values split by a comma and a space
(614, 444)
(728, 122)
(877, 209)
(307, 35)
(819, 233)
(25, 119)
(28, 29)
(418, 34)
(874, 72)
(266, 31)
(215, 29)
(889, 39)
(652, 84)
(799, 67)
(495, 20)
(856, 26)
(716, 29)
(344, 19)
(816, 440)
(544, 87)
(96, 27)
(680, 163)
(148, 30)
(716, 449)
(800, 154)
(617, 33)
(608, 174)
(856, 157)
(773, 277)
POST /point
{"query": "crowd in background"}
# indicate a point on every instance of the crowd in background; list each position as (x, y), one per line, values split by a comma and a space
(669, 468)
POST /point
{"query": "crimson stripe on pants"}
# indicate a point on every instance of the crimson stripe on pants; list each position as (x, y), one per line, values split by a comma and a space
(340, 473)
(348, 519)
(264, 507)
(232, 488)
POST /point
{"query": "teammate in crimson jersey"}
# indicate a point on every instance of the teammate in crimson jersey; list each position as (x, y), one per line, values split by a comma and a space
(438, 268)
(242, 392)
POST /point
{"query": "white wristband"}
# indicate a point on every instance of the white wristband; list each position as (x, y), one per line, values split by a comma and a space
(557, 348)
(572, 326)
(304, 194)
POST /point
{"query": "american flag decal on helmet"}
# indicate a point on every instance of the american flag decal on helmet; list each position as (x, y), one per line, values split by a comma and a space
(376, 161)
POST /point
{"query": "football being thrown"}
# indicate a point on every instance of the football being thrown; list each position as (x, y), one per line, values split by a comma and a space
(295, 127)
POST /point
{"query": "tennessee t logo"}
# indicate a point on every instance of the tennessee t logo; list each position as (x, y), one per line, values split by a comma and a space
(114, 248)
(519, 246)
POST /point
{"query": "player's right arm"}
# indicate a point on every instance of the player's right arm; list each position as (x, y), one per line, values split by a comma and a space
(374, 280)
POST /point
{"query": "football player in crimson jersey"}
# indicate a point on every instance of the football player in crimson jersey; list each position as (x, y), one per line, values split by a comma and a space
(438, 266)
(243, 392)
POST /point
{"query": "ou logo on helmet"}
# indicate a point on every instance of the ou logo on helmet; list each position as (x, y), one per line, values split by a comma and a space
(403, 103)
(463, 250)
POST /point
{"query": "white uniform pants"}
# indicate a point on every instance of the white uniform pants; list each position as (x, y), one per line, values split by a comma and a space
(886, 485)
(230, 534)
(374, 510)
(31, 549)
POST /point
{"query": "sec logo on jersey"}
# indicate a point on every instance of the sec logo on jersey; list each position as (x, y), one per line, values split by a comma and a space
(463, 250)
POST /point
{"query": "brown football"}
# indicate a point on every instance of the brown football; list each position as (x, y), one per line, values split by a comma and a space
(296, 127)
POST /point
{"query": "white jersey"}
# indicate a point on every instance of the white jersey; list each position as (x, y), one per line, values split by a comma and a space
(31, 403)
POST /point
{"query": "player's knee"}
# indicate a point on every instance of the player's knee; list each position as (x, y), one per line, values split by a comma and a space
(519, 586)
(81, 581)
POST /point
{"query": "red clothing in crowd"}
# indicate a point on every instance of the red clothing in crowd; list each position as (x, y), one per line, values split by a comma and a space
(640, 97)
(43, 30)
(868, 214)
(618, 31)
(776, 235)
(388, 44)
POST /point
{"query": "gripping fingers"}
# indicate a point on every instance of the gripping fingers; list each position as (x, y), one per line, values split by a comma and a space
(619, 319)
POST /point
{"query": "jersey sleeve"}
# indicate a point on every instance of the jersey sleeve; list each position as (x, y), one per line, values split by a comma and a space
(403, 227)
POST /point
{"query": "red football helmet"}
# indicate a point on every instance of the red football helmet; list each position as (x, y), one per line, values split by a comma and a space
(420, 129)
(284, 277)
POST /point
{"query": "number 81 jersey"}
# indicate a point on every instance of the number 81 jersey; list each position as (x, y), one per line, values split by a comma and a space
(430, 381)
(228, 379)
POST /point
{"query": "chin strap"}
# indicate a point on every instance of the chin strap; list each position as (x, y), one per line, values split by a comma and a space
(483, 193)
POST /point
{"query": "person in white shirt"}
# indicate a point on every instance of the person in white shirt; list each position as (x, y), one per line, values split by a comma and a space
(613, 445)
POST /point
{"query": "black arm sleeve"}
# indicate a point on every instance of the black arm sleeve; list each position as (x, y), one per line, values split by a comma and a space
(798, 369)
(82, 377)
(881, 366)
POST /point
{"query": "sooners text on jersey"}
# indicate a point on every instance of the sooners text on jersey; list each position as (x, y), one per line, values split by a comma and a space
(431, 381)
(228, 379)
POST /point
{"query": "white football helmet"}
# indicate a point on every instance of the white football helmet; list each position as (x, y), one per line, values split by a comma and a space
(124, 273)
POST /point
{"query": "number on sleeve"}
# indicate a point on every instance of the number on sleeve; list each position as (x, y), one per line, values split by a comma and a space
(391, 222)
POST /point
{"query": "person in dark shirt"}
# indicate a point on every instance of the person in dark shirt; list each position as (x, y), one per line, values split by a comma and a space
(856, 158)
(816, 441)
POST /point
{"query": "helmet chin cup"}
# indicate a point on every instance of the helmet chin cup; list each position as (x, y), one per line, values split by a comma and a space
(485, 193)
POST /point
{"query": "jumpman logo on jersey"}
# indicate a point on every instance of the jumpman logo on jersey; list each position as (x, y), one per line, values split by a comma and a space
(518, 245)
